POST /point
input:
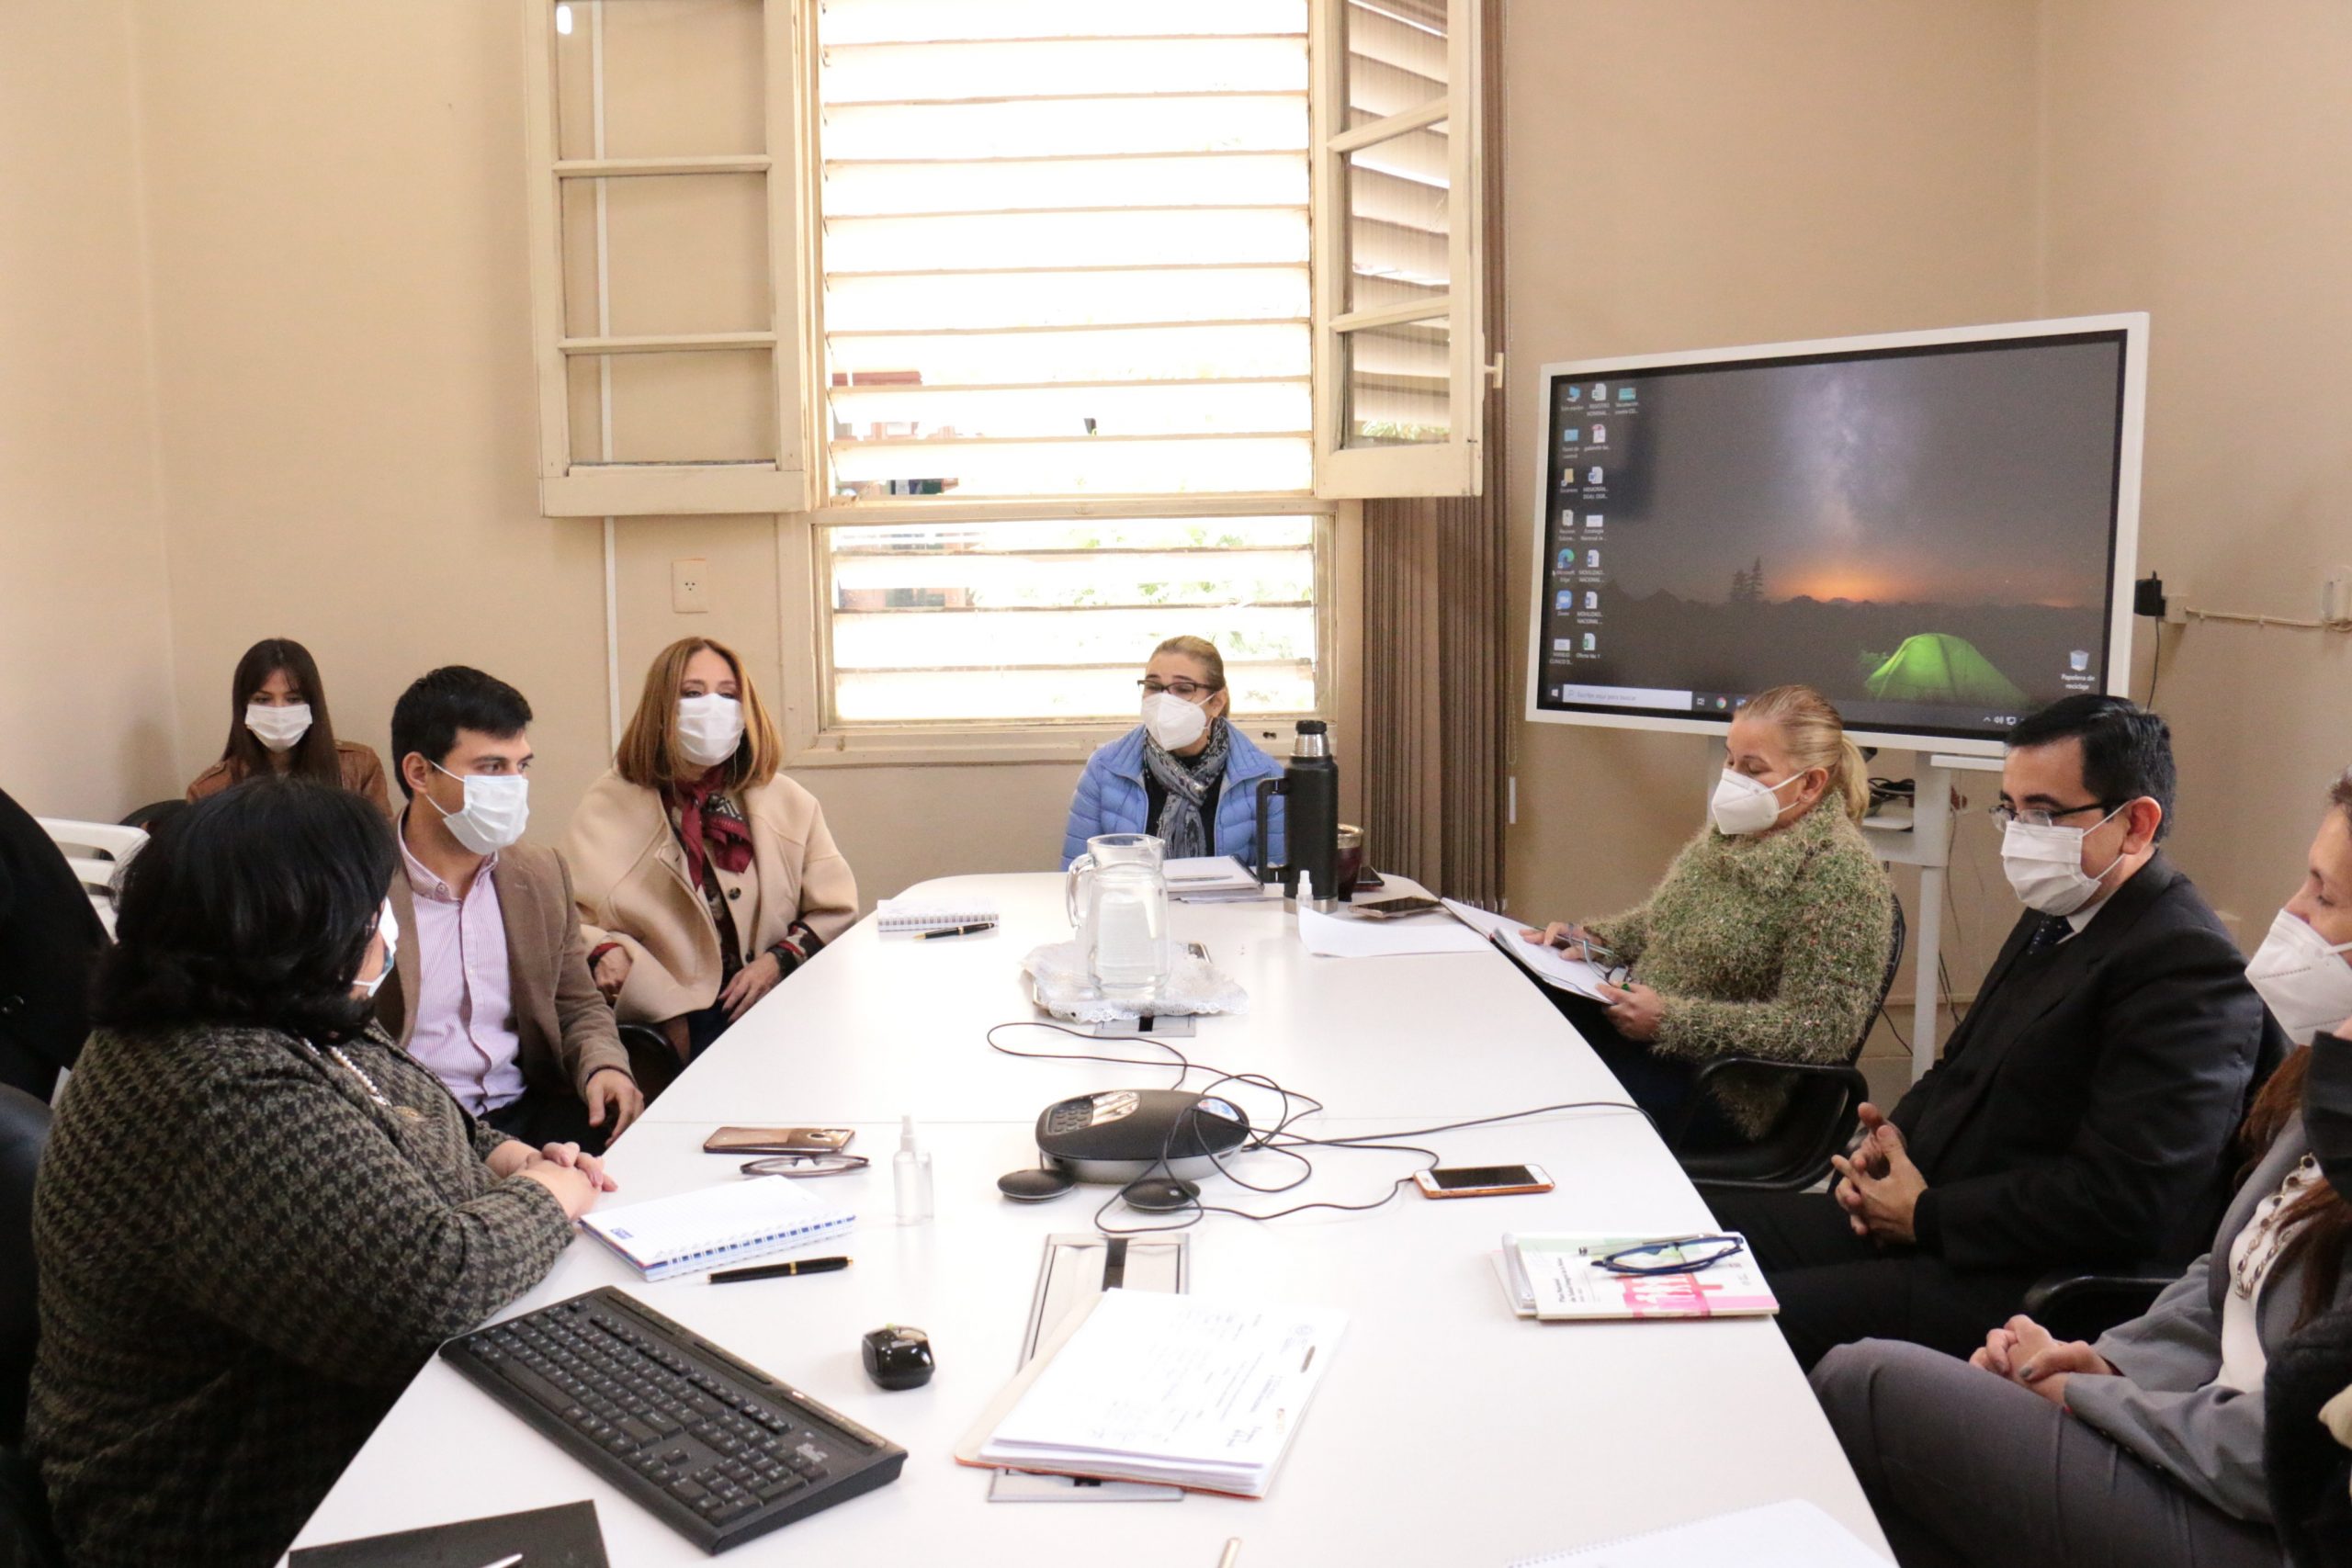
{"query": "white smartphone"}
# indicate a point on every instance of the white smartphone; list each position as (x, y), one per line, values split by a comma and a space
(1481, 1180)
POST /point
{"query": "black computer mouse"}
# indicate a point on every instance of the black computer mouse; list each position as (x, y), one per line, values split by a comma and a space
(898, 1355)
(1159, 1194)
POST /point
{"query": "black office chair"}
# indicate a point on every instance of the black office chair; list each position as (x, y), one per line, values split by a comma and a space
(2084, 1302)
(1819, 1122)
(25, 1538)
(154, 814)
(651, 1063)
(24, 1128)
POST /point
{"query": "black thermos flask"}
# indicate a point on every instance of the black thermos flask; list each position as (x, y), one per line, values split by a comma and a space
(1310, 790)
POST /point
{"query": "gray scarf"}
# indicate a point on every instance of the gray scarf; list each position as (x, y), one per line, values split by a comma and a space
(1187, 781)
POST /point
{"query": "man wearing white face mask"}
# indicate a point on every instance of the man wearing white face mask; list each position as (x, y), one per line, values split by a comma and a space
(491, 990)
(2083, 1107)
(1186, 774)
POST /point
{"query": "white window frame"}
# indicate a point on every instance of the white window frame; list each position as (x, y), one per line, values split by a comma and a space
(1456, 466)
(570, 487)
(813, 738)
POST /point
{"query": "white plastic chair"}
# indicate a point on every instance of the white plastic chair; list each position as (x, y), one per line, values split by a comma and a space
(108, 847)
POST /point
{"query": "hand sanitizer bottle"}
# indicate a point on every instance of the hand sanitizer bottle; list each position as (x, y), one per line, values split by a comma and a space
(911, 1172)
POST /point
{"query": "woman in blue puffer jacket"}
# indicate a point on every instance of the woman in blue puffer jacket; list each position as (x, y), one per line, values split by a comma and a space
(1185, 774)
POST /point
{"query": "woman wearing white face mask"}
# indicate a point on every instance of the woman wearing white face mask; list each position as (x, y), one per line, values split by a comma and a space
(281, 726)
(1767, 938)
(704, 875)
(1186, 774)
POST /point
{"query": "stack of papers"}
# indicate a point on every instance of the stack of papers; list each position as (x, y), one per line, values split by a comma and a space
(1173, 1389)
(909, 917)
(1356, 936)
(1549, 964)
(1212, 879)
(1795, 1534)
(713, 1226)
(1555, 1278)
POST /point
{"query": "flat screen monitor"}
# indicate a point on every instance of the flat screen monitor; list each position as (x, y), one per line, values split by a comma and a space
(1936, 529)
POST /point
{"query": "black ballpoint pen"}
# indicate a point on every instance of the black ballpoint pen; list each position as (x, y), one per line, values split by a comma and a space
(956, 930)
(780, 1271)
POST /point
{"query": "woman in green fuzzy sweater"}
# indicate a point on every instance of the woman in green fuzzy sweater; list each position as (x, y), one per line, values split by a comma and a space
(1767, 938)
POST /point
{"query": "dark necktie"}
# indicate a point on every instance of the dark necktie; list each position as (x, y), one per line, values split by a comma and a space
(2053, 930)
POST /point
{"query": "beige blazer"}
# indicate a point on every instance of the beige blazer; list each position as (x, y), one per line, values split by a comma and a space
(564, 1031)
(630, 879)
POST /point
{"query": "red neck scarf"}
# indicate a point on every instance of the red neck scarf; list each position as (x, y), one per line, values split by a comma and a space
(709, 827)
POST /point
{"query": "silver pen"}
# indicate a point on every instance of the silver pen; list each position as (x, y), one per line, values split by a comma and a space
(1231, 1555)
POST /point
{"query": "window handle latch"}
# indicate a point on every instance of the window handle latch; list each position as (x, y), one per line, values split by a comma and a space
(1495, 372)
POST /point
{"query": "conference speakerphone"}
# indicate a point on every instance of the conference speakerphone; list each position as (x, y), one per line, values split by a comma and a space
(715, 1448)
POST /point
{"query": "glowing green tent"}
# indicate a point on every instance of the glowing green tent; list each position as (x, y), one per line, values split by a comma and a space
(1940, 667)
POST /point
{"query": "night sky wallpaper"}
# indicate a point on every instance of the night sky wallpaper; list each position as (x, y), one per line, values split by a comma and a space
(1929, 528)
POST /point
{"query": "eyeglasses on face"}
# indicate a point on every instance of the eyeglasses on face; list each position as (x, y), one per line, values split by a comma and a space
(2039, 816)
(1191, 690)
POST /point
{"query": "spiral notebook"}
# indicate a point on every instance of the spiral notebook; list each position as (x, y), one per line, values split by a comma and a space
(910, 916)
(713, 1226)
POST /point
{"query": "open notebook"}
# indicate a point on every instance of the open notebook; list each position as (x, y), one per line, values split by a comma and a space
(712, 1226)
(1174, 1390)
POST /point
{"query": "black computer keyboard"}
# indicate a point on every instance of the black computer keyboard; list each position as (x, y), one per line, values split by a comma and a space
(719, 1451)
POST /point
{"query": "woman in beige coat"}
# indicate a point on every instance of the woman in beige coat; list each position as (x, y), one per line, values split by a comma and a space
(704, 876)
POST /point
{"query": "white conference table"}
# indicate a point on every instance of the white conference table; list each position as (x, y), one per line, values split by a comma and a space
(1446, 1432)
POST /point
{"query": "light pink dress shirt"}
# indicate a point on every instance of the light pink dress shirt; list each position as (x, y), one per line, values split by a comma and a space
(464, 1009)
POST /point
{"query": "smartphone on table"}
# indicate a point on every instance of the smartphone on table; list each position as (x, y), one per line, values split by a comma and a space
(778, 1141)
(1481, 1180)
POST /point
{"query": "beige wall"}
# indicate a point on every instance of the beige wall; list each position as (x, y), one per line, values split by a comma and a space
(2198, 169)
(349, 418)
(1693, 173)
(86, 656)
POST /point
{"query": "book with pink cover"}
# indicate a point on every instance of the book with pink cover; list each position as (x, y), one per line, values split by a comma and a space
(1558, 1278)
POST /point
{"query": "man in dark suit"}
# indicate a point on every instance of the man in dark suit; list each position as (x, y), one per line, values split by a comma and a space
(2083, 1108)
(49, 937)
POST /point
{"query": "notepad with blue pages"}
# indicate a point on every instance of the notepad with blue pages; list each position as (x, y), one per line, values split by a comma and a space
(1791, 1534)
(713, 1226)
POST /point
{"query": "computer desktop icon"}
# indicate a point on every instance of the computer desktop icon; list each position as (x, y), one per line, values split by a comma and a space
(1600, 435)
(1591, 643)
(1599, 391)
(1593, 519)
(1624, 394)
(1576, 394)
(1592, 476)
(1592, 560)
(1565, 599)
(1565, 561)
(2080, 659)
(1591, 600)
(1571, 435)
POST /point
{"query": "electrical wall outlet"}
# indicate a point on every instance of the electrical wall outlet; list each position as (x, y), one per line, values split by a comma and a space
(2336, 595)
(690, 586)
(2176, 601)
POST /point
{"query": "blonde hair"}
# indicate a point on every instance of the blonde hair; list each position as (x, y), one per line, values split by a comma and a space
(1815, 738)
(649, 745)
(1198, 648)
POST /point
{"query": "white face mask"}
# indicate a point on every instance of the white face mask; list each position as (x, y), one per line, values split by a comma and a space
(497, 808)
(2306, 983)
(709, 729)
(1744, 805)
(279, 728)
(2045, 865)
(1173, 722)
(388, 926)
